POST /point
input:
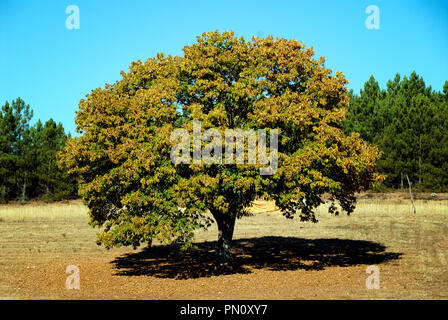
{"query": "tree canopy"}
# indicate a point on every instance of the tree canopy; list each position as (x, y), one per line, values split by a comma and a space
(122, 156)
(408, 121)
(28, 164)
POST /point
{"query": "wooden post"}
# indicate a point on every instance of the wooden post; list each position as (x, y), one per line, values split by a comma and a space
(410, 193)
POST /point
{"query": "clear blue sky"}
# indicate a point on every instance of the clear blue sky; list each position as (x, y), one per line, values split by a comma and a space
(52, 67)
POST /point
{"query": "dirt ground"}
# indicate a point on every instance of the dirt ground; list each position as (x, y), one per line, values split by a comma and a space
(273, 257)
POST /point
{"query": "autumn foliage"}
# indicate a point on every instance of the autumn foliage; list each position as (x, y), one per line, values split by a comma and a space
(122, 156)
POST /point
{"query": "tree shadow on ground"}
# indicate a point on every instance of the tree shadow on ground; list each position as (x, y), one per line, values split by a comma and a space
(271, 253)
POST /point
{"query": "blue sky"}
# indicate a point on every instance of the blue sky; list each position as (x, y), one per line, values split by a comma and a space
(52, 67)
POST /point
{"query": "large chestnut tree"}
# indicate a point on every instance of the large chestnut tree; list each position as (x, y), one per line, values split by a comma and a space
(136, 193)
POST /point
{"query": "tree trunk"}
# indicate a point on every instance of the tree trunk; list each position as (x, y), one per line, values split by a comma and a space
(410, 194)
(48, 174)
(226, 225)
(401, 183)
(23, 197)
(420, 161)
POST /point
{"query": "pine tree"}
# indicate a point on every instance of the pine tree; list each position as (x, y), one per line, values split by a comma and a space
(28, 167)
(409, 123)
(14, 145)
(53, 182)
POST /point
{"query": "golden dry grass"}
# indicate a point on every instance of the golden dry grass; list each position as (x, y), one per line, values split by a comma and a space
(276, 258)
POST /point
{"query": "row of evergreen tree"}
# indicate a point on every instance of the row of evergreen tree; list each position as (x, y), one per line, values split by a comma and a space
(28, 164)
(408, 121)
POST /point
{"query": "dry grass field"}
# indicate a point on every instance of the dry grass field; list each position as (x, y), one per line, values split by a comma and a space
(273, 258)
